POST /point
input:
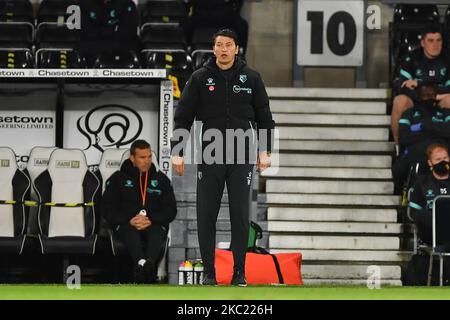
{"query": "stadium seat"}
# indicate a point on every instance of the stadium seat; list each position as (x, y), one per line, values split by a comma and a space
(37, 163)
(202, 46)
(14, 186)
(54, 11)
(16, 11)
(56, 47)
(119, 60)
(15, 35)
(16, 40)
(165, 47)
(163, 37)
(67, 192)
(416, 14)
(16, 59)
(163, 12)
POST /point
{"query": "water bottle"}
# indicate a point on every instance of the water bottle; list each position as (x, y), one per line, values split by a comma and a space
(198, 272)
(189, 272)
(181, 277)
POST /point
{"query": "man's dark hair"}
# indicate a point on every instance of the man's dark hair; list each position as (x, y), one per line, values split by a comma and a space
(226, 33)
(430, 29)
(139, 144)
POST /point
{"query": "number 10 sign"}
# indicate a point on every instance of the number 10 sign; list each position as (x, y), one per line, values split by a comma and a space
(330, 33)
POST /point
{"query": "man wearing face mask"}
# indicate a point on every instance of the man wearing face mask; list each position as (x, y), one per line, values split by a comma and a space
(420, 126)
(427, 187)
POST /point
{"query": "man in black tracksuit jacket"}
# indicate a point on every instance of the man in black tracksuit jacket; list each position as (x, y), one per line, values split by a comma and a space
(420, 126)
(139, 203)
(225, 94)
(426, 188)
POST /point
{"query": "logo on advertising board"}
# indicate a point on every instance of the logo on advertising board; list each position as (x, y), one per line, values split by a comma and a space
(119, 127)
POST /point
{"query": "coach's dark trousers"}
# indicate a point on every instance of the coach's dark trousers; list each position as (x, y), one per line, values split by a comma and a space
(211, 180)
(142, 244)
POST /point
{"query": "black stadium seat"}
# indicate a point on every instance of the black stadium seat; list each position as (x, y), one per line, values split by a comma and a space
(54, 10)
(16, 59)
(164, 11)
(117, 60)
(14, 186)
(15, 35)
(15, 45)
(165, 37)
(55, 46)
(16, 11)
(416, 13)
(202, 45)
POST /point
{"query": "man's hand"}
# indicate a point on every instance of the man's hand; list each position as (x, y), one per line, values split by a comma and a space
(410, 84)
(178, 164)
(140, 222)
(263, 161)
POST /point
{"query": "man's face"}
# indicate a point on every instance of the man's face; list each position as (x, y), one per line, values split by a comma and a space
(437, 156)
(142, 159)
(225, 49)
(432, 44)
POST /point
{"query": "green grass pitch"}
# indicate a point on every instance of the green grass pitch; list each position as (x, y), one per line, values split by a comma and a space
(168, 292)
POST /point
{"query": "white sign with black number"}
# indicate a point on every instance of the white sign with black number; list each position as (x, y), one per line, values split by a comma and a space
(330, 33)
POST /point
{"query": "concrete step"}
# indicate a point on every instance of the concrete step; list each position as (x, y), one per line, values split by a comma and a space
(331, 214)
(337, 133)
(327, 107)
(386, 256)
(329, 187)
(333, 242)
(324, 93)
(333, 200)
(330, 173)
(332, 119)
(333, 161)
(336, 146)
(334, 227)
(348, 272)
(349, 282)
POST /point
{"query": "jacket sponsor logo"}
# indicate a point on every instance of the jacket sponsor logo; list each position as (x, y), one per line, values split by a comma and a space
(443, 71)
(243, 78)
(119, 127)
(210, 82)
(154, 183)
(432, 73)
(158, 191)
(200, 175)
(238, 89)
(67, 164)
(4, 163)
(39, 162)
(129, 184)
(112, 163)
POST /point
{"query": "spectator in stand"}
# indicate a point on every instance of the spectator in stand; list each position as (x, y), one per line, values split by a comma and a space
(419, 126)
(427, 65)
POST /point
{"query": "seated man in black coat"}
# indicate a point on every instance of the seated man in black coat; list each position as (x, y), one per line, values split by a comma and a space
(428, 187)
(107, 26)
(139, 203)
(420, 126)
